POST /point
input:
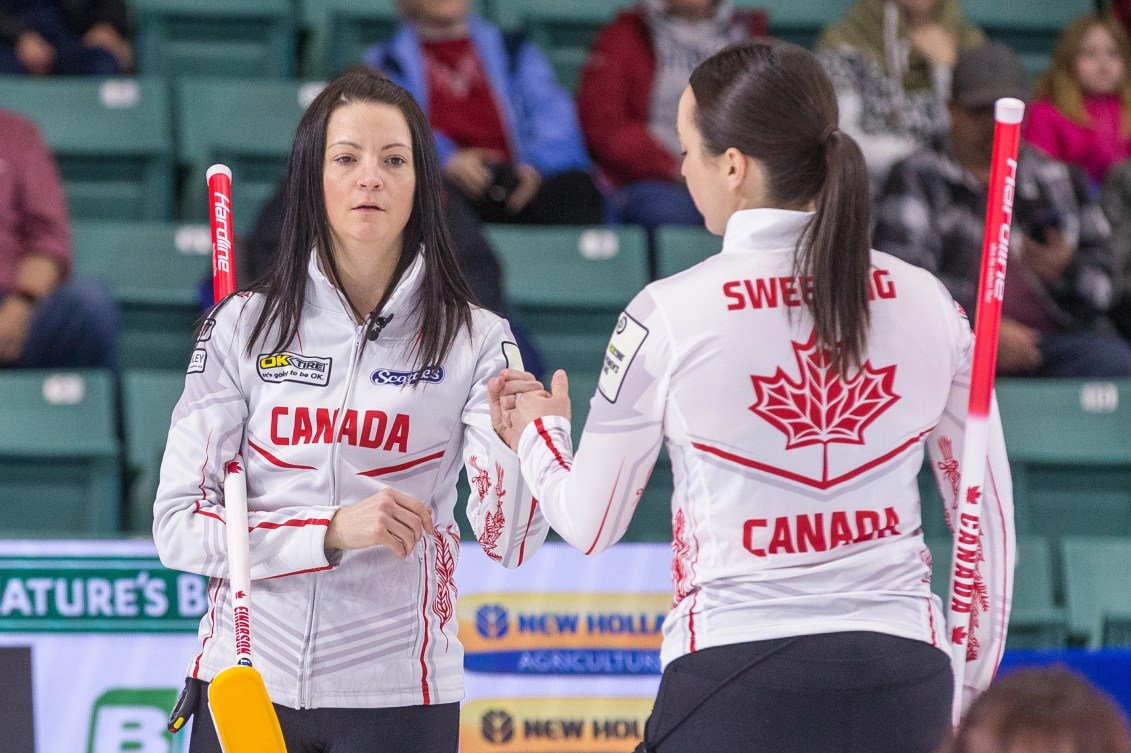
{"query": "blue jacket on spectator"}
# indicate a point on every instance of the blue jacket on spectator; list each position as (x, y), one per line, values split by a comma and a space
(538, 115)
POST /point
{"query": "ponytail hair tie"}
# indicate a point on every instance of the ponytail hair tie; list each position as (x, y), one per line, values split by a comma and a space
(828, 133)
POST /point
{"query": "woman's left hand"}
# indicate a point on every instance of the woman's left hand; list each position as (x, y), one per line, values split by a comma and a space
(533, 405)
(502, 391)
(936, 44)
(529, 182)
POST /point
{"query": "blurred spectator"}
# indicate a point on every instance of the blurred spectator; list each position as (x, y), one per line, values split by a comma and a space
(64, 37)
(629, 93)
(1062, 270)
(46, 319)
(1048, 710)
(1115, 198)
(891, 62)
(1082, 112)
(476, 259)
(506, 131)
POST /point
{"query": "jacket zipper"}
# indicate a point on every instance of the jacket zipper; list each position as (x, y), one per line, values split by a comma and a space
(361, 333)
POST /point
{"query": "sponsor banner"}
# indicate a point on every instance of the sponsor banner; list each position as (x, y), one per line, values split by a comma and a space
(107, 660)
(553, 725)
(604, 619)
(103, 693)
(97, 594)
(563, 633)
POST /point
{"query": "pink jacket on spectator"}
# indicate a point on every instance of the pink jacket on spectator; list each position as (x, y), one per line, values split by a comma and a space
(613, 97)
(1095, 148)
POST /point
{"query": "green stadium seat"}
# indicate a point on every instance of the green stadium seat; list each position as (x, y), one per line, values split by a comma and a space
(1069, 445)
(59, 453)
(148, 399)
(153, 269)
(111, 137)
(1036, 621)
(564, 31)
(567, 285)
(247, 125)
(254, 38)
(1095, 571)
(680, 247)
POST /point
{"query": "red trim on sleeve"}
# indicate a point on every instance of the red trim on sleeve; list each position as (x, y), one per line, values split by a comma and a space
(424, 647)
(401, 466)
(549, 442)
(608, 507)
(300, 572)
(276, 461)
(296, 523)
(522, 546)
(211, 630)
(203, 477)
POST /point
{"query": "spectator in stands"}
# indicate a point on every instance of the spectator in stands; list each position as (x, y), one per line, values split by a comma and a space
(1082, 112)
(506, 131)
(1061, 275)
(629, 94)
(1115, 198)
(1047, 710)
(46, 319)
(64, 37)
(891, 62)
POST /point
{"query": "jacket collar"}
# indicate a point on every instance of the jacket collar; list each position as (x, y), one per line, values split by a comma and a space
(764, 230)
(322, 294)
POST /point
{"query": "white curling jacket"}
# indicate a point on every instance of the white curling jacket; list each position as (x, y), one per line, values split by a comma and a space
(796, 506)
(326, 424)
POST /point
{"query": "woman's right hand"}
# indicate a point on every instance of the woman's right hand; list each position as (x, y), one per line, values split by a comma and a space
(388, 518)
(470, 169)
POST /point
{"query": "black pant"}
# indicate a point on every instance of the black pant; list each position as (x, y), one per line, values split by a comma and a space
(832, 693)
(403, 729)
(569, 198)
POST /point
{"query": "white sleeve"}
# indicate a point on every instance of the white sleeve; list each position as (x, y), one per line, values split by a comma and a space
(589, 498)
(993, 578)
(206, 433)
(505, 516)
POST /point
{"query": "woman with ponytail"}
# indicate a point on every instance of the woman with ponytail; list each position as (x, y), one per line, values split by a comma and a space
(797, 378)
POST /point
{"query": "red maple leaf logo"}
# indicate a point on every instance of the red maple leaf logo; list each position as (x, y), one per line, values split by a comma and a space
(973, 494)
(233, 466)
(821, 406)
(958, 635)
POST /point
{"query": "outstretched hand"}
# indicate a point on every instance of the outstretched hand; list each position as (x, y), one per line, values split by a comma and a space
(532, 405)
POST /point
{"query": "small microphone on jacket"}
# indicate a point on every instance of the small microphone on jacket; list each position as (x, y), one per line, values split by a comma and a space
(376, 324)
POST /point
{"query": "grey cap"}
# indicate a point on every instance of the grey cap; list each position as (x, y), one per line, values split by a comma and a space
(985, 74)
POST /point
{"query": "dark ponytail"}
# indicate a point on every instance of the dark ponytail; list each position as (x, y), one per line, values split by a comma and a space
(772, 101)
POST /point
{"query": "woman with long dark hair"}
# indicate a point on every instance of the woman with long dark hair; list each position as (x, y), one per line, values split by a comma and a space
(796, 378)
(353, 380)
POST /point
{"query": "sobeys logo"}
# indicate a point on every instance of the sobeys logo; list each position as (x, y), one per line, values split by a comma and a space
(563, 633)
(133, 721)
(552, 725)
(98, 594)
